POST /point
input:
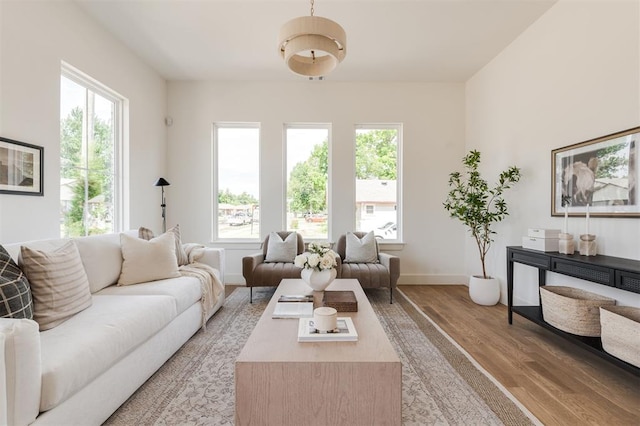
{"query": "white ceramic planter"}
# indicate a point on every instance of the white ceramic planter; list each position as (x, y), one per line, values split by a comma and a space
(484, 291)
(318, 280)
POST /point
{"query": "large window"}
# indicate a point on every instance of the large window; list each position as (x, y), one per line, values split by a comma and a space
(377, 180)
(307, 149)
(90, 146)
(236, 158)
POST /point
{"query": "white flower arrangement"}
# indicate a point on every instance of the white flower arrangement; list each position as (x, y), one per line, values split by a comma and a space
(319, 257)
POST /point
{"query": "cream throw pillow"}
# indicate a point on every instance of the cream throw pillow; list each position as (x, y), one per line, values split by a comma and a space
(145, 261)
(361, 250)
(281, 251)
(59, 283)
(181, 254)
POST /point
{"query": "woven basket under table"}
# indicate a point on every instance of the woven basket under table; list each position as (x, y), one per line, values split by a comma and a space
(573, 310)
(621, 332)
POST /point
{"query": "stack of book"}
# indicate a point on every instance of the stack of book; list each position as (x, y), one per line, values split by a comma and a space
(294, 306)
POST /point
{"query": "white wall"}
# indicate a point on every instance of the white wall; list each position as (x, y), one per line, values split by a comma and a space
(35, 36)
(573, 75)
(433, 120)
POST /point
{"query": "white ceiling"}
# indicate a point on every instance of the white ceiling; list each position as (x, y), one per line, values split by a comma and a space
(387, 40)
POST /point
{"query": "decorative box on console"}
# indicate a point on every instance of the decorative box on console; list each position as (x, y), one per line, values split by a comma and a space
(543, 233)
(541, 239)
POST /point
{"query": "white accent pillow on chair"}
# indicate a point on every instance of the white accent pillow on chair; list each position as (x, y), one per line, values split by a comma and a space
(361, 250)
(281, 251)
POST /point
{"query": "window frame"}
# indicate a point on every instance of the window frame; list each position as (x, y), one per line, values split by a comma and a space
(285, 180)
(216, 177)
(120, 205)
(398, 127)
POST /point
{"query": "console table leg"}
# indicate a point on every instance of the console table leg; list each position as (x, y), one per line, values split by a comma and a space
(509, 287)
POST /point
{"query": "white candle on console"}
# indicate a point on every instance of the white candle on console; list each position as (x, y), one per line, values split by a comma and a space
(587, 219)
(565, 218)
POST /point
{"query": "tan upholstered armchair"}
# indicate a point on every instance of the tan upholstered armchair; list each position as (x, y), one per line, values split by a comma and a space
(383, 274)
(258, 273)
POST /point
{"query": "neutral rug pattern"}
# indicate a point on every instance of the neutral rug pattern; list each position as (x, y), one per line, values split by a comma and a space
(440, 385)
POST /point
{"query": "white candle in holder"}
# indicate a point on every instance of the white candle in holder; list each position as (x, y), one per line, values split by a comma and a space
(565, 218)
(587, 219)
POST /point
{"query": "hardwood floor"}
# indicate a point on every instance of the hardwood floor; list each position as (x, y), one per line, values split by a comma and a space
(560, 383)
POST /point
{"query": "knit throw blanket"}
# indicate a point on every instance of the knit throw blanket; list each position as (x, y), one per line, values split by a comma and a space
(211, 285)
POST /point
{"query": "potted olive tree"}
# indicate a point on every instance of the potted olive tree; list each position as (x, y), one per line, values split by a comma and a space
(477, 206)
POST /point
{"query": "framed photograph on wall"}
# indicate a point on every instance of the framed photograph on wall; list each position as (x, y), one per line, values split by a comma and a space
(21, 168)
(601, 173)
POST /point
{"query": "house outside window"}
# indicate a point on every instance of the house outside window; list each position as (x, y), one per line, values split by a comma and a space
(236, 159)
(90, 156)
(378, 171)
(307, 166)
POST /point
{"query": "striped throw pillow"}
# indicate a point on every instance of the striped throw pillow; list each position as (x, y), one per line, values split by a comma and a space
(59, 283)
(15, 293)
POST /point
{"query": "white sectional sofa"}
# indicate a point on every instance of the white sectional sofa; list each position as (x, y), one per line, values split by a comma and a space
(81, 371)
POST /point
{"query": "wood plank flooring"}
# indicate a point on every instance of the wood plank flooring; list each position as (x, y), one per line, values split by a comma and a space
(560, 383)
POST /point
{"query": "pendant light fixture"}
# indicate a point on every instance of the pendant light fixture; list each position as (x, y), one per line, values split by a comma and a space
(312, 46)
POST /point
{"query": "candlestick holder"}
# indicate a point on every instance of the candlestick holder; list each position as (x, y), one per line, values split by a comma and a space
(566, 244)
(588, 245)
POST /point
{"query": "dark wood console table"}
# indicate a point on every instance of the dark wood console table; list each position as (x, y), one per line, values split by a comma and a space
(617, 272)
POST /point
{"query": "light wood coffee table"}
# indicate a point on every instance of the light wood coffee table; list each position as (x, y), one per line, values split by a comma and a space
(280, 381)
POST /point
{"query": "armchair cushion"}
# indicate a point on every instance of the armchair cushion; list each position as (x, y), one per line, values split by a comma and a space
(361, 249)
(383, 273)
(257, 272)
(281, 249)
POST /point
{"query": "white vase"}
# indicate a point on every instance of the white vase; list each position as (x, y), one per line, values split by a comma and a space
(318, 280)
(484, 291)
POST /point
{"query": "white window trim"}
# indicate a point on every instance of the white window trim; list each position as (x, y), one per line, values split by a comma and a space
(328, 127)
(121, 141)
(215, 178)
(399, 165)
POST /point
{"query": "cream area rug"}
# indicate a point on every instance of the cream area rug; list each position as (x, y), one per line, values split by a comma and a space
(441, 385)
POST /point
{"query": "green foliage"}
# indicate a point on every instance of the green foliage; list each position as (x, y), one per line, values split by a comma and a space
(475, 204)
(307, 186)
(376, 155)
(91, 171)
(227, 197)
(376, 158)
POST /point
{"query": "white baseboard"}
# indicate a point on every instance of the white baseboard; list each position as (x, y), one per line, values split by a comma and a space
(234, 279)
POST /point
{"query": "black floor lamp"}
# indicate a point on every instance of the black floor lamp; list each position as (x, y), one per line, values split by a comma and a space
(162, 183)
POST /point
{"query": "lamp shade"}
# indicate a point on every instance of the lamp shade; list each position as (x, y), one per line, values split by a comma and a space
(161, 182)
(312, 46)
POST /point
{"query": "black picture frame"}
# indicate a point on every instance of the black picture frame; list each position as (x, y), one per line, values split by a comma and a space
(600, 172)
(21, 168)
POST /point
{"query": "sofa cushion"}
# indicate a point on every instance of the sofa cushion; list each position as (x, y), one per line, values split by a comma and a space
(15, 292)
(59, 284)
(279, 250)
(145, 261)
(102, 259)
(181, 254)
(185, 291)
(370, 275)
(361, 250)
(80, 349)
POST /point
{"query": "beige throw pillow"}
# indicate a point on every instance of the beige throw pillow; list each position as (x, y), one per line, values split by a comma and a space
(361, 250)
(181, 254)
(145, 261)
(59, 283)
(281, 251)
